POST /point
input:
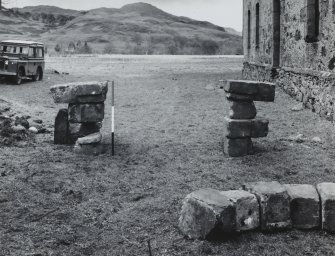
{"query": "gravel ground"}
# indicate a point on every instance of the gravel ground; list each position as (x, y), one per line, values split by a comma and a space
(169, 114)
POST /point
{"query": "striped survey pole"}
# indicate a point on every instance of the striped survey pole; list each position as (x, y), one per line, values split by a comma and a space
(112, 118)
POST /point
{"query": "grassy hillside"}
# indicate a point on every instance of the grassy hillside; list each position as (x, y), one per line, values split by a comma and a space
(133, 29)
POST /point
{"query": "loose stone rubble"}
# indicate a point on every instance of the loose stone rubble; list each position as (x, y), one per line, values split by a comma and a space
(240, 123)
(81, 122)
(268, 206)
(16, 129)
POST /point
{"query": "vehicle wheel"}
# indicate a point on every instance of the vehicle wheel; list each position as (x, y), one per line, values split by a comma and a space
(18, 77)
(41, 74)
(37, 77)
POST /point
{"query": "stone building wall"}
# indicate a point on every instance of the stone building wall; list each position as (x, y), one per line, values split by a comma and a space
(263, 54)
(306, 67)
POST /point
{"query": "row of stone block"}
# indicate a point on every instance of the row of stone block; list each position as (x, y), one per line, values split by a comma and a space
(268, 206)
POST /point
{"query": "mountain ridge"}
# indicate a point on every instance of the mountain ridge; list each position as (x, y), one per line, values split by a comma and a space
(142, 27)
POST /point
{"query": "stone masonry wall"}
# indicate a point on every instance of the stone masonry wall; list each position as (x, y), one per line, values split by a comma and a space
(314, 88)
(295, 52)
(264, 53)
(307, 68)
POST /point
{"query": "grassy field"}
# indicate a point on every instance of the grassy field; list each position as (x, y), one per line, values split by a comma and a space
(169, 114)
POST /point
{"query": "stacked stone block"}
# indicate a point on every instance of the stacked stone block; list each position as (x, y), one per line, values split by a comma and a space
(241, 124)
(81, 122)
(267, 206)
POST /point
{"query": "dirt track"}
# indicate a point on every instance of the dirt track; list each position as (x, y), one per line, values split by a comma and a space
(169, 114)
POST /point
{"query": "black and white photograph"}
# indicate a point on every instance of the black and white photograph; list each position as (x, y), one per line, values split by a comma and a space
(167, 128)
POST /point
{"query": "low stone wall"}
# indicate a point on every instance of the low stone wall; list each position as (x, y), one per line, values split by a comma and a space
(314, 88)
(266, 206)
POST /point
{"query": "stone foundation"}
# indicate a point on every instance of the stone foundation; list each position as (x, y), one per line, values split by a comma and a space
(314, 88)
(266, 206)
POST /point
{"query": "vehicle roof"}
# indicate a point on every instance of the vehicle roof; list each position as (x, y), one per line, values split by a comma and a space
(21, 42)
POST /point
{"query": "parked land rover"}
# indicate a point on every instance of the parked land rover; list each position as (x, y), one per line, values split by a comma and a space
(21, 60)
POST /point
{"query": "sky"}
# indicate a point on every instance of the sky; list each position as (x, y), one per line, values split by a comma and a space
(226, 13)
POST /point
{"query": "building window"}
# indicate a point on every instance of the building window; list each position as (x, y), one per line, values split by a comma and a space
(257, 25)
(313, 21)
(249, 29)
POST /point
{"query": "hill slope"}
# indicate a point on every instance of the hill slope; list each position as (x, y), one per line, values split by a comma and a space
(133, 29)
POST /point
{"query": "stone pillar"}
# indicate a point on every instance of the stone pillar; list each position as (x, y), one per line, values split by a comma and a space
(84, 114)
(61, 135)
(240, 123)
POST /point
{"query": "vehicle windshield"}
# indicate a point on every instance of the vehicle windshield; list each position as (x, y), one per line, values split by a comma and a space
(14, 49)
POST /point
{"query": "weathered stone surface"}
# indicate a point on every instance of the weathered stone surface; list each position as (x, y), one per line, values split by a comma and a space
(245, 128)
(241, 87)
(22, 121)
(91, 99)
(237, 147)
(247, 209)
(241, 109)
(266, 92)
(274, 204)
(251, 90)
(259, 128)
(304, 206)
(90, 139)
(82, 113)
(239, 97)
(206, 213)
(78, 130)
(19, 128)
(90, 149)
(33, 129)
(61, 135)
(280, 54)
(327, 195)
(79, 92)
(237, 128)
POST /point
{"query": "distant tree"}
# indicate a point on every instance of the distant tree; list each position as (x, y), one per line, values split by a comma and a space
(109, 49)
(181, 41)
(58, 48)
(137, 39)
(239, 51)
(78, 44)
(172, 48)
(51, 20)
(148, 45)
(137, 50)
(210, 47)
(71, 47)
(86, 49)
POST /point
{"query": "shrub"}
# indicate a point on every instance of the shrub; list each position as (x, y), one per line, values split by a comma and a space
(210, 47)
(58, 48)
(109, 49)
(86, 49)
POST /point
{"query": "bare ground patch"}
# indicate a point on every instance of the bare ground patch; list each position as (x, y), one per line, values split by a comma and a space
(168, 143)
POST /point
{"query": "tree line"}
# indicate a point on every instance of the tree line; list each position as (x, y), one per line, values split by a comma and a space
(154, 44)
